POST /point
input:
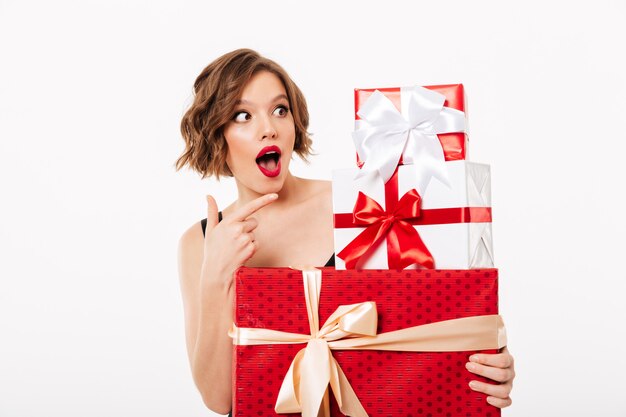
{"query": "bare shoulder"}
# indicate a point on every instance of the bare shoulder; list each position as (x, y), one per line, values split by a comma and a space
(317, 194)
(325, 193)
(190, 252)
(192, 238)
(321, 195)
(320, 188)
(323, 185)
(319, 200)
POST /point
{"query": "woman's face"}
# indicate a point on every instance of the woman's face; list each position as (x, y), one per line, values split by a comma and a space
(261, 135)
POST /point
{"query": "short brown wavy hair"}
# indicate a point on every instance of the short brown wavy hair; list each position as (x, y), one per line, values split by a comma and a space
(216, 91)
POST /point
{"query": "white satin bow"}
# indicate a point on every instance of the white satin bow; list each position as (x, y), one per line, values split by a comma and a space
(385, 134)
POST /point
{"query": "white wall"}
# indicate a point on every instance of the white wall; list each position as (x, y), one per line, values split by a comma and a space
(91, 95)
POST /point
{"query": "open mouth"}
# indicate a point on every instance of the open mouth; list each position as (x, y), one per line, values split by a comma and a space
(268, 161)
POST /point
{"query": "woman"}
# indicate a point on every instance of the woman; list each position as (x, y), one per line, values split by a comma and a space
(247, 119)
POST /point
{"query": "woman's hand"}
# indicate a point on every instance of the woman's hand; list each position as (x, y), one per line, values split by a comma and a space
(230, 243)
(498, 367)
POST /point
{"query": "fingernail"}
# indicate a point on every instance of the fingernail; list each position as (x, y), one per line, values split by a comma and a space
(474, 358)
(490, 400)
(473, 384)
(470, 366)
(273, 196)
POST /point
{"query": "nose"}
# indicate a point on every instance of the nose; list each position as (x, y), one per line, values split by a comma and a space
(268, 130)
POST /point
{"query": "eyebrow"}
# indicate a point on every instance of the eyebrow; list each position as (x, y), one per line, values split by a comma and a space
(278, 97)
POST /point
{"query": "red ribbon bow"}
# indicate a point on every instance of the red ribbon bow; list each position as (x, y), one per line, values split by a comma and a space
(404, 245)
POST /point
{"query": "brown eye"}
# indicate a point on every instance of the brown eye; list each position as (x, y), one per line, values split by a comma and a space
(241, 116)
(281, 111)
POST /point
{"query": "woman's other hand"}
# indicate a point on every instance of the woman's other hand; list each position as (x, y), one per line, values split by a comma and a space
(498, 367)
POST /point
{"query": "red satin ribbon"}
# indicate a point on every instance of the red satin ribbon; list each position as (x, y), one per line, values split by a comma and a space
(431, 216)
(404, 245)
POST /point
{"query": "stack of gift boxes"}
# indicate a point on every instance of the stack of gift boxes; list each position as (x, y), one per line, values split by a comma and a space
(414, 292)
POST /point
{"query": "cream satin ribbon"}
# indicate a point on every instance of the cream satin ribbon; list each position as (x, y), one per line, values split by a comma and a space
(305, 386)
(385, 134)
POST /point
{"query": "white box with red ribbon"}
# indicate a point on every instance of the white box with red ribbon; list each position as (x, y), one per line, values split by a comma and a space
(411, 221)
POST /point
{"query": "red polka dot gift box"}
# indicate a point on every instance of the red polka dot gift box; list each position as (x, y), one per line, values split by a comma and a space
(362, 342)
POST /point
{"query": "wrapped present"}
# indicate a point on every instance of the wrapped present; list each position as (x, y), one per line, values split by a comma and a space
(412, 221)
(362, 343)
(425, 126)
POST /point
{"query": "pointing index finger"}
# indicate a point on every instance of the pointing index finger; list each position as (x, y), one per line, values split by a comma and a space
(253, 206)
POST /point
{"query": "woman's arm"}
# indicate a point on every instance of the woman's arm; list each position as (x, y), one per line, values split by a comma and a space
(206, 266)
(208, 316)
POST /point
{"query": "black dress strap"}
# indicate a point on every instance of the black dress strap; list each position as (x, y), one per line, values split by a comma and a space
(203, 222)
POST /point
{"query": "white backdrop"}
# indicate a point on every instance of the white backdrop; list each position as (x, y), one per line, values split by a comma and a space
(91, 96)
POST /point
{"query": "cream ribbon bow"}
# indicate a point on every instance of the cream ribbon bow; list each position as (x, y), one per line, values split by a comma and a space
(385, 134)
(305, 386)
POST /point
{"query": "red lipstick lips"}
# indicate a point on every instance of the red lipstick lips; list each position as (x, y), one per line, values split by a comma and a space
(268, 161)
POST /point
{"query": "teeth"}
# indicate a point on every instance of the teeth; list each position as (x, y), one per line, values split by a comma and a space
(270, 152)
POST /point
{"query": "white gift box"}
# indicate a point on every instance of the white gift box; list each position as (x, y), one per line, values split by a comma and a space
(462, 245)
